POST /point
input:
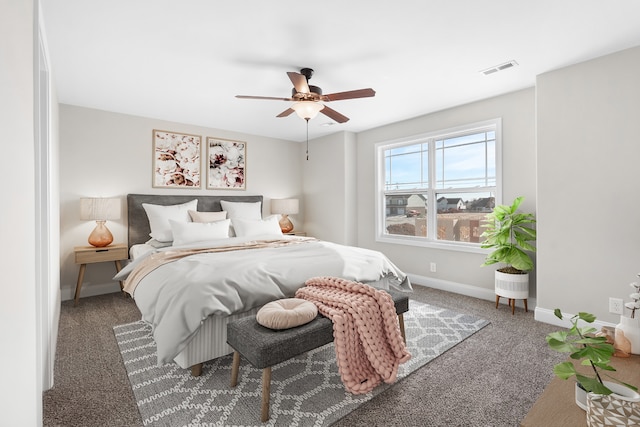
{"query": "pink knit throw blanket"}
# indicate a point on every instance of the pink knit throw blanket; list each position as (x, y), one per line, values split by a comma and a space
(367, 338)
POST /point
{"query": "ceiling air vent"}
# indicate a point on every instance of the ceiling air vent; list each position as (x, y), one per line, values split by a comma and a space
(500, 67)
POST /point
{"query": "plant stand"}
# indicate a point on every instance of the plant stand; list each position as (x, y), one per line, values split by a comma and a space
(512, 287)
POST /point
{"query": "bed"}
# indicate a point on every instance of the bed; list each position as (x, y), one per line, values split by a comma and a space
(239, 292)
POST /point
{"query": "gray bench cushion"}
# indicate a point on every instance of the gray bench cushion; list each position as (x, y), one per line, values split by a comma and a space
(264, 347)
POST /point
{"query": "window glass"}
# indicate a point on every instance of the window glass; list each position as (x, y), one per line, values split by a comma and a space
(462, 189)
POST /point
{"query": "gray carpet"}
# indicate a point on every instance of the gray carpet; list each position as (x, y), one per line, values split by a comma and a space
(490, 379)
(305, 390)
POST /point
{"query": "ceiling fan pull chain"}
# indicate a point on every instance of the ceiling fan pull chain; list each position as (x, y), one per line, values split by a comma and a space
(307, 120)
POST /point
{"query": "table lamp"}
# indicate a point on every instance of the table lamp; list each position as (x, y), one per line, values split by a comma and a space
(285, 207)
(100, 210)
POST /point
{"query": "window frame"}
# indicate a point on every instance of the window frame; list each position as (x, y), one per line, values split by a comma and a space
(429, 137)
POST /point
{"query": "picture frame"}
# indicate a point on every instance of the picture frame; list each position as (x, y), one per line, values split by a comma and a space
(176, 160)
(226, 164)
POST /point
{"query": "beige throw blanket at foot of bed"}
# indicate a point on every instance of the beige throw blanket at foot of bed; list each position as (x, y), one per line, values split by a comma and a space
(367, 338)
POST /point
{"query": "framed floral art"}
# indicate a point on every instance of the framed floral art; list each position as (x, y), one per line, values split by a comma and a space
(226, 164)
(176, 160)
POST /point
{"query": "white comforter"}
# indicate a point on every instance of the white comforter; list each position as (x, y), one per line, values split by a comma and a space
(176, 297)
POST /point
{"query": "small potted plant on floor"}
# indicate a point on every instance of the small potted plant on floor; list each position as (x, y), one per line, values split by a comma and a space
(509, 233)
(595, 353)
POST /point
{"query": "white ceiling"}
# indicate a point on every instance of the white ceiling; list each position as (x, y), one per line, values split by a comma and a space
(185, 61)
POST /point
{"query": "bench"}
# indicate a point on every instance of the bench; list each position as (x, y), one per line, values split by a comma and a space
(264, 347)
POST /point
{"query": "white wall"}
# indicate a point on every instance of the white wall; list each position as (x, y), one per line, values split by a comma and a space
(588, 188)
(330, 197)
(110, 155)
(456, 271)
(20, 390)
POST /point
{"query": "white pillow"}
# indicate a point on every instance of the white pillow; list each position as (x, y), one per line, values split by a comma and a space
(207, 216)
(159, 217)
(185, 233)
(257, 227)
(242, 210)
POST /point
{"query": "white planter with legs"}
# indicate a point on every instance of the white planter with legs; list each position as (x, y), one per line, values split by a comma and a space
(512, 286)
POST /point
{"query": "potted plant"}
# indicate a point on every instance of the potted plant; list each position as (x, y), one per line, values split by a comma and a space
(509, 234)
(594, 352)
(627, 337)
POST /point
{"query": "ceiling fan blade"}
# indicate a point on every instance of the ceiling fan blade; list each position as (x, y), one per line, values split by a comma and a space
(360, 93)
(299, 82)
(263, 97)
(285, 113)
(333, 114)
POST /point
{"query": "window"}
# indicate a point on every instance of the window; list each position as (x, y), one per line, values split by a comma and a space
(435, 189)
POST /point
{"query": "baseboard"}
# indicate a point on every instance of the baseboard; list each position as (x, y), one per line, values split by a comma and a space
(90, 291)
(464, 289)
(546, 315)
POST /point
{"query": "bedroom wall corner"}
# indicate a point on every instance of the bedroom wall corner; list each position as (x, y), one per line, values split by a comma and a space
(330, 194)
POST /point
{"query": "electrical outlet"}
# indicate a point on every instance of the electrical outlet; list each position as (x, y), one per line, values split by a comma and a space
(433, 267)
(615, 305)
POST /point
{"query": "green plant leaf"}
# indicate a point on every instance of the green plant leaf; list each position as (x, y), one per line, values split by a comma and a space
(597, 354)
(587, 317)
(592, 385)
(604, 366)
(564, 370)
(558, 313)
(559, 344)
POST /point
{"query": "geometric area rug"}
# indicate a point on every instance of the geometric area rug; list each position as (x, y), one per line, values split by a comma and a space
(305, 390)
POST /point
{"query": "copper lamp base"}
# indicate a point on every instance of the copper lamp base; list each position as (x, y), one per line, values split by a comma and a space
(285, 224)
(100, 236)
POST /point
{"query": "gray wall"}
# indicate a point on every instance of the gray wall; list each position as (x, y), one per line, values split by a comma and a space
(456, 271)
(329, 180)
(105, 154)
(588, 125)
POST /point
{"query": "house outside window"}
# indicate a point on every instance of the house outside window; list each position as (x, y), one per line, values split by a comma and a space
(455, 171)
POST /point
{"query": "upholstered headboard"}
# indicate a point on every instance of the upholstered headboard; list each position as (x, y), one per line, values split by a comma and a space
(138, 227)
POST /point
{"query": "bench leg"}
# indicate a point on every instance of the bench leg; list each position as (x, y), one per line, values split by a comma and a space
(401, 321)
(234, 368)
(196, 370)
(266, 390)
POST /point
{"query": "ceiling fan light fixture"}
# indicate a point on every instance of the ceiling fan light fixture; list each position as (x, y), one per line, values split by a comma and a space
(307, 109)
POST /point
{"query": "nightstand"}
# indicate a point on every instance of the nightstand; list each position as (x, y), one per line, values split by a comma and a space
(296, 233)
(90, 254)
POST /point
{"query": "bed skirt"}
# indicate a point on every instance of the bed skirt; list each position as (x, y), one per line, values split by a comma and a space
(210, 341)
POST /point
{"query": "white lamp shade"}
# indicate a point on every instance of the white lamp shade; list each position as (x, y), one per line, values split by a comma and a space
(100, 209)
(284, 206)
(307, 109)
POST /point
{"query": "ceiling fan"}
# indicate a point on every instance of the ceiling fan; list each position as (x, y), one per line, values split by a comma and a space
(309, 99)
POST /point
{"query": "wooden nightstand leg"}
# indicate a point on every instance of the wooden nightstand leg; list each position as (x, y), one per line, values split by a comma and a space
(79, 284)
(119, 267)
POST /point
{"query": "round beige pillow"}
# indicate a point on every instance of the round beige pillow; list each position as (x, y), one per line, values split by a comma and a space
(286, 313)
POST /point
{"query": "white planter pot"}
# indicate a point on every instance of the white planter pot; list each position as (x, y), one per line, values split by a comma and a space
(621, 408)
(628, 335)
(624, 393)
(513, 286)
